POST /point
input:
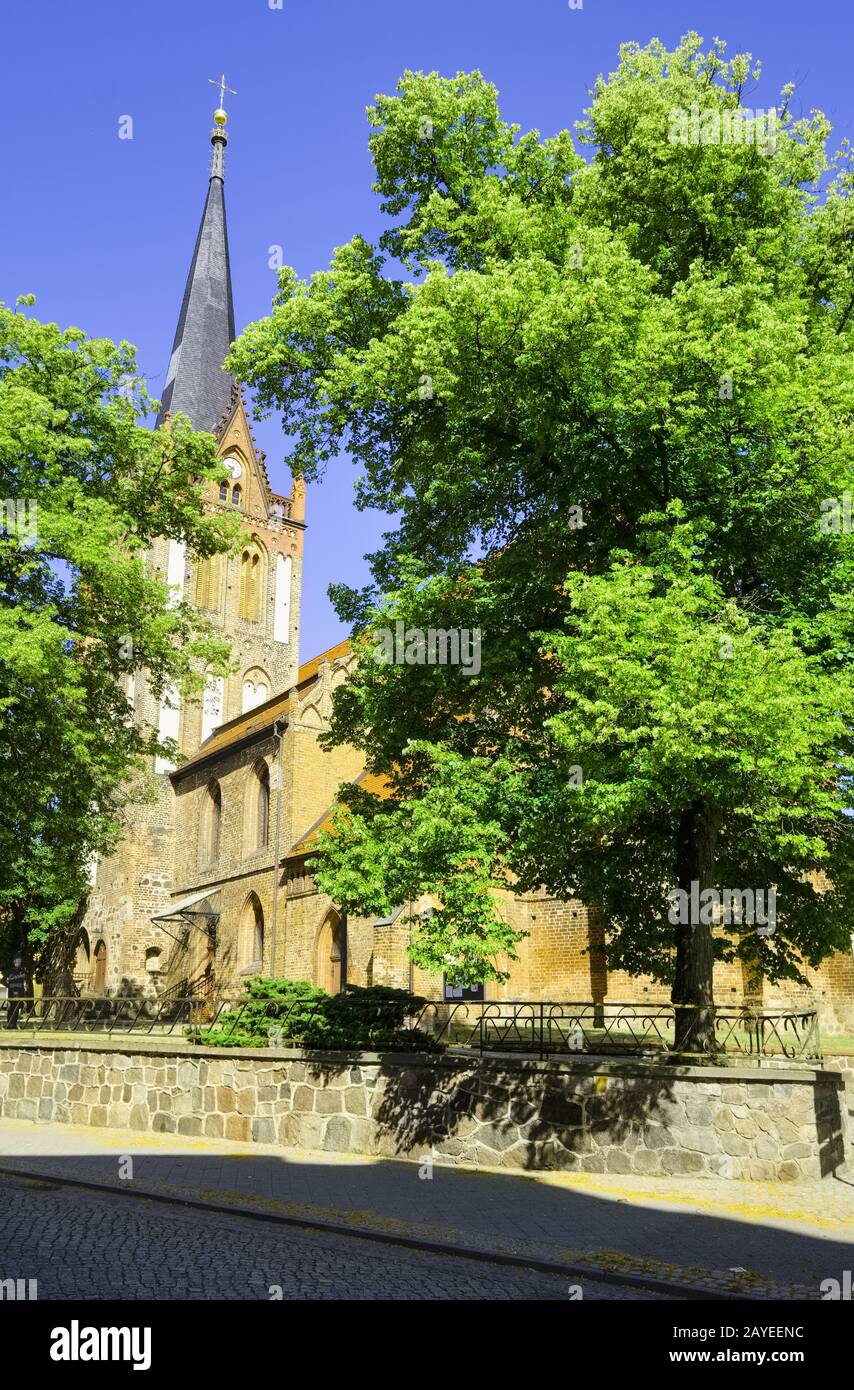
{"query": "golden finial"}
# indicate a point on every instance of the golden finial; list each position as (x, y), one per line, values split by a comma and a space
(220, 115)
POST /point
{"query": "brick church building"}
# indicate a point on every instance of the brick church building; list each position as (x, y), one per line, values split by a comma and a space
(213, 880)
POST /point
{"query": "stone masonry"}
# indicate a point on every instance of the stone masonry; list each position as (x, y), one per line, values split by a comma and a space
(587, 1115)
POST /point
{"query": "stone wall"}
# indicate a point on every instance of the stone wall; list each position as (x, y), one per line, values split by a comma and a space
(844, 1067)
(586, 1115)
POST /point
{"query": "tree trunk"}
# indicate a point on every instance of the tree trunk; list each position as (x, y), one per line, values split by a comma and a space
(696, 850)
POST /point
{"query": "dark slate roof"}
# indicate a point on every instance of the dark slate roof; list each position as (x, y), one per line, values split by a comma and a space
(196, 385)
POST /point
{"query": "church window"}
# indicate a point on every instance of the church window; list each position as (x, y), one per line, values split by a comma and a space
(223, 492)
(251, 584)
(256, 688)
(211, 824)
(261, 817)
(175, 566)
(282, 611)
(168, 725)
(207, 582)
(250, 941)
(212, 704)
(235, 495)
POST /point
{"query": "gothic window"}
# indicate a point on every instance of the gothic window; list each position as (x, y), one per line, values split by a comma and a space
(256, 808)
(223, 492)
(261, 816)
(250, 943)
(282, 610)
(212, 704)
(168, 725)
(256, 689)
(251, 584)
(207, 582)
(211, 823)
(235, 495)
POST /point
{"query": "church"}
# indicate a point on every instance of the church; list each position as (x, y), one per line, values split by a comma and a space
(213, 880)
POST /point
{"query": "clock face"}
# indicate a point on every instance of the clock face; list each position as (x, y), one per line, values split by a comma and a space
(234, 468)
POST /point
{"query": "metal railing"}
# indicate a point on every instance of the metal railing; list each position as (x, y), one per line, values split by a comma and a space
(547, 1028)
(101, 1014)
(533, 1028)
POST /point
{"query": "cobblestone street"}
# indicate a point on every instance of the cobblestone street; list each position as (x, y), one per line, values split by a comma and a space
(769, 1241)
(81, 1245)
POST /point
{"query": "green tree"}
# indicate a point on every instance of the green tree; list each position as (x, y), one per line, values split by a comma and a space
(607, 411)
(86, 490)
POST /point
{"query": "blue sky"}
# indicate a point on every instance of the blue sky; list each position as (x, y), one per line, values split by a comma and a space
(102, 229)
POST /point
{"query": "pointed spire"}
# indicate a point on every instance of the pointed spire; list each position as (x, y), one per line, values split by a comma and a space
(196, 384)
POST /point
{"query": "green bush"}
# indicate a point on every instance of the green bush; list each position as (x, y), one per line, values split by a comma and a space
(368, 1019)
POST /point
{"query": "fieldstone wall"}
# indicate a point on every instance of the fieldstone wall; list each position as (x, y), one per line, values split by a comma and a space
(844, 1066)
(585, 1115)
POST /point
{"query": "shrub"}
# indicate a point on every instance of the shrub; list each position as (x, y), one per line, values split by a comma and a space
(369, 1019)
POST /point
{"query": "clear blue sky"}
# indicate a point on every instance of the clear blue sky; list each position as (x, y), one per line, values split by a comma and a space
(101, 229)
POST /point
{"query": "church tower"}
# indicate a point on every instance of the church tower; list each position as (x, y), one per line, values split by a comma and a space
(252, 599)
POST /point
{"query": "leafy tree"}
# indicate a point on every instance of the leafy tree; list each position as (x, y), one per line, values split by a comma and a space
(86, 491)
(607, 411)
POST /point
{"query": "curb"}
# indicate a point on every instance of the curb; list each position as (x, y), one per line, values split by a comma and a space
(579, 1270)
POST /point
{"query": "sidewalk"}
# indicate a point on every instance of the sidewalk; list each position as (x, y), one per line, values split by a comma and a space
(741, 1238)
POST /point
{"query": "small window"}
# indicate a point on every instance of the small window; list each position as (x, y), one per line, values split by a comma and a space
(223, 492)
(262, 808)
(211, 824)
(250, 938)
(235, 495)
(152, 960)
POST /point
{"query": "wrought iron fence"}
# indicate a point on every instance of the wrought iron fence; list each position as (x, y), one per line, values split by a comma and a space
(100, 1014)
(534, 1028)
(547, 1028)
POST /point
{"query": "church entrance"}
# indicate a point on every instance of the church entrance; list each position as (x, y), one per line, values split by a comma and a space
(331, 956)
(99, 974)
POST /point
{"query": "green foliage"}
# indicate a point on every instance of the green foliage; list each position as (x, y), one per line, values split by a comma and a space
(296, 1014)
(79, 615)
(653, 337)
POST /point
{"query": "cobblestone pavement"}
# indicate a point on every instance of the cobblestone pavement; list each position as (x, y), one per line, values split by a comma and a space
(766, 1240)
(81, 1245)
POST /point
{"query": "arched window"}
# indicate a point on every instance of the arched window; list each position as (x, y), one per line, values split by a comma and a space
(235, 495)
(261, 818)
(251, 584)
(256, 688)
(250, 944)
(207, 582)
(212, 704)
(223, 492)
(210, 824)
